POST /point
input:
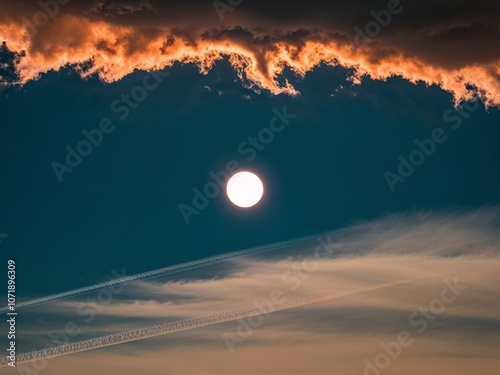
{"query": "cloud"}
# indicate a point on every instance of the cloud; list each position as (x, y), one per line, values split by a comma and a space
(114, 7)
(392, 248)
(448, 245)
(262, 46)
(472, 233)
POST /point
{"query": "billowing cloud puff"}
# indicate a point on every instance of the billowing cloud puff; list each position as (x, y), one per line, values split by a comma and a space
(112, 7)
(261, 46)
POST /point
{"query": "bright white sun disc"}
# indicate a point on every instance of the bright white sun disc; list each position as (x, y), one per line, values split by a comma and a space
(244, 189)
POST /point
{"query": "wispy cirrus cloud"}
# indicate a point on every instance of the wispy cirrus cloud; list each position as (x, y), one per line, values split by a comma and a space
(453, 245)
(388, 249)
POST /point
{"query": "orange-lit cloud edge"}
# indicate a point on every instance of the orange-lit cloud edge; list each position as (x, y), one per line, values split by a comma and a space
(259, 58)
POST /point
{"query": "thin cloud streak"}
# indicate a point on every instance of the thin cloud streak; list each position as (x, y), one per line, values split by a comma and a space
(178, 326)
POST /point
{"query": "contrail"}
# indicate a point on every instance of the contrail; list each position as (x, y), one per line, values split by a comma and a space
(168, 270)
(185, 324)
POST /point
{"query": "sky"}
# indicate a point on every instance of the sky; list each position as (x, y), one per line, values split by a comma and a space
(375, 121)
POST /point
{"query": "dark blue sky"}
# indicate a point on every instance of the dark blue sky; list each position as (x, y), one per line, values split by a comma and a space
(121, 120)
(120, 206)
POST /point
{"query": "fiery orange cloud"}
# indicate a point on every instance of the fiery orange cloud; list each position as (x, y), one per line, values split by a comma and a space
(114, 51)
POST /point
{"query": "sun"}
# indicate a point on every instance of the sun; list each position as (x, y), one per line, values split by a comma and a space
(244, 189)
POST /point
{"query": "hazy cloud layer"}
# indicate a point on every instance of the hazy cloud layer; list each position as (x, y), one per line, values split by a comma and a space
(461, 247)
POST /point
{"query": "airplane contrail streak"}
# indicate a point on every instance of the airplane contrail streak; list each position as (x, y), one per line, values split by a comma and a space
(185, 324)
(166, 271)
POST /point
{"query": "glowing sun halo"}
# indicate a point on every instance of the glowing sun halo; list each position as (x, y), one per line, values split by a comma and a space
(244, 189)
